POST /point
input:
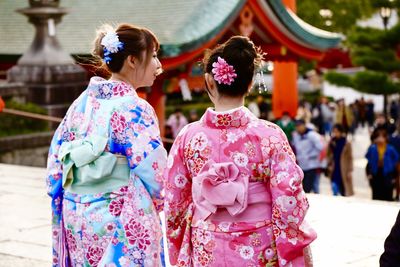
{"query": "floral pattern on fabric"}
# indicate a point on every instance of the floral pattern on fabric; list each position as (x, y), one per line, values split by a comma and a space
(262, 153)
(118, 228)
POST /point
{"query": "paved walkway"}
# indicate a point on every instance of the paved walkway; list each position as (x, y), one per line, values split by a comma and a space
(351, 231)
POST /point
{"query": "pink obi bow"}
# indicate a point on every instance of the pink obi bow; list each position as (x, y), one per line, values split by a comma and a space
(219, 185)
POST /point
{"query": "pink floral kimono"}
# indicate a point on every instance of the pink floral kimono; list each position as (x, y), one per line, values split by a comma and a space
(234, 194)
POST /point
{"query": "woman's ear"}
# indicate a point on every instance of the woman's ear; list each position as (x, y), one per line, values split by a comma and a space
(210, 82)
(131, 61)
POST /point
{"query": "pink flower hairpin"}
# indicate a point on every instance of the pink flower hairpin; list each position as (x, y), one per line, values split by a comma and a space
(223, 72)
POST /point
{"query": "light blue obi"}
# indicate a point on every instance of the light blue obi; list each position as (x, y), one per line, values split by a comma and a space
(88, 169)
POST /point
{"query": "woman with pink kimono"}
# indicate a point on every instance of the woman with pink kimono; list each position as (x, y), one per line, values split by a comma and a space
(234, 193)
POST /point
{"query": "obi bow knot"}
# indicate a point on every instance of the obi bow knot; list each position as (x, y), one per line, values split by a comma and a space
(88, 168)
(220, 185)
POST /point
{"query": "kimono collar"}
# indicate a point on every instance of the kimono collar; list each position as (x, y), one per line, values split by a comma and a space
(238, 117)
(108, 89)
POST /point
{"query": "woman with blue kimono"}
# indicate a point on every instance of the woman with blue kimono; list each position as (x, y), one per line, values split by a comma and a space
(106, 160)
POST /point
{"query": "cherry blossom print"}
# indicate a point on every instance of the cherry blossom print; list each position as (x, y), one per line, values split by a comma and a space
(240, 159)
(199, 141)
(203, 236)
(180, 181)
(246, 252)
(231, 137)
(281, 176)
(206, 153)
(250, 149)
(286, 203)
(118, 122)
(292, 233)
(95, 103)
(203, 258)
(121, 89)
(223, 119)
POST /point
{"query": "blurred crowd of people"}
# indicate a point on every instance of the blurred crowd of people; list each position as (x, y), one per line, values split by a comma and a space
(321, 135)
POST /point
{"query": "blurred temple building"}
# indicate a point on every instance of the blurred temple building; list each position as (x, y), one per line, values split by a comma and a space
(185, 29)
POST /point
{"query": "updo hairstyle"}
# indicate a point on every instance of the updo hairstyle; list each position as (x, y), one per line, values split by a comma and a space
(135, 41)
(241, 53)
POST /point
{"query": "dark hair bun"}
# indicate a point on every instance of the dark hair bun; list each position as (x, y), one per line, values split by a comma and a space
(241, 53)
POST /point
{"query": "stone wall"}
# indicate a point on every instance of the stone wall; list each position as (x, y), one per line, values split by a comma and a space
(35, 157)
(27, 149)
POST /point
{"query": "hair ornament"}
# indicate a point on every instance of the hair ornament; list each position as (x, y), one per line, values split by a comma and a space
(223, 72)
(111, 44)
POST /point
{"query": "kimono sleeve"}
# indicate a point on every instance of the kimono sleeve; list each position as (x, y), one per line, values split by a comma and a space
(54, 172)
(178, 204)
(289, 205)
(146, 155)
(55, 191)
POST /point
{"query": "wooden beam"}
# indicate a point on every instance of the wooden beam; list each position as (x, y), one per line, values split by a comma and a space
(280, 37)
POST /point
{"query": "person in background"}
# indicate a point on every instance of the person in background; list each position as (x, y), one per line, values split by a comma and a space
(287, 125)
(303, 112)
(382, 122)
(308, 147)
(344, 115)
(340, 163)
(395, 142)
(177, 121)
(327, 116)
(370, 113)
(394, 110)
(382, 164)
(354, 124)
(362, 111)
(193, 116)
(317, 118)
(263, 107)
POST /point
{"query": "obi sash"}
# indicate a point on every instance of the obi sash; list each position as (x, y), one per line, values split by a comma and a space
(89, 169)
(222, 193)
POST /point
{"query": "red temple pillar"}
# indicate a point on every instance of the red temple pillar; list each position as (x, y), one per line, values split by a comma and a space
(157, 99)
(284, 94)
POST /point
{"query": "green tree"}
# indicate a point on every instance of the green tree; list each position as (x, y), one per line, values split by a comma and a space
(335, 15)
(374, 49)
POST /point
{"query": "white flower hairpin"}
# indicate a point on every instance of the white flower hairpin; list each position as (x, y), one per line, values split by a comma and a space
(111, 44)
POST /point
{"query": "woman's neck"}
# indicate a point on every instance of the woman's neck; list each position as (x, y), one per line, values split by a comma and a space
(228, 103)
(121, 78)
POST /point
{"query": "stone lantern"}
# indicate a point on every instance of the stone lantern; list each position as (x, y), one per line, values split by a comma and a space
(53, 78)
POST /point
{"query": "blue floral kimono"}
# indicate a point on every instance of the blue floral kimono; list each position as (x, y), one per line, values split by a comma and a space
(104, 175)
